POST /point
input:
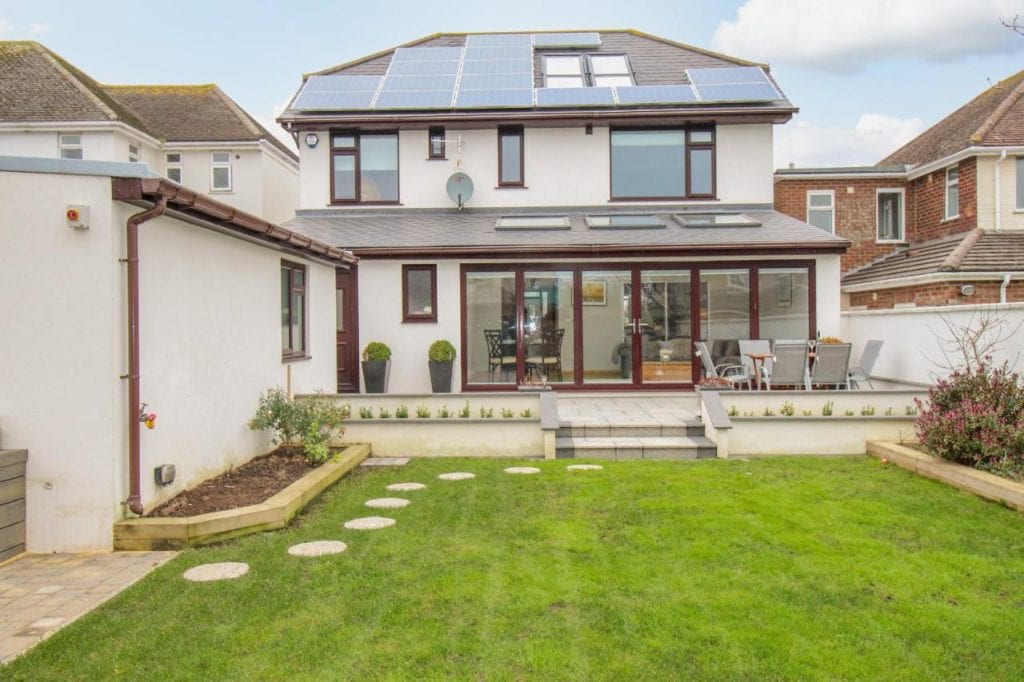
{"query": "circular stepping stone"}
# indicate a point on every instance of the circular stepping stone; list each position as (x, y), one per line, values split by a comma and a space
(318, 548)
(456, 476)
(227, 570)
(369, 523)
(584, 467)
(405, 487)
(387, 503)
(522, 470)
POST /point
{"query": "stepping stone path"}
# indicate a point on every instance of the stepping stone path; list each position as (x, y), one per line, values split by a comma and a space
(387, 503)
(227, 570)
(456, 476)
(584, 467)
(522, 470)
(369, 523)
(318, 548)
(405, 487)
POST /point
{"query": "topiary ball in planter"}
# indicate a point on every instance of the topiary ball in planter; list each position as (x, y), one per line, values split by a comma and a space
(376, 367)
(440, 360)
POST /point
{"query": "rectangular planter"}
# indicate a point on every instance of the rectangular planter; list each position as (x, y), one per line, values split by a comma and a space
(276, 512)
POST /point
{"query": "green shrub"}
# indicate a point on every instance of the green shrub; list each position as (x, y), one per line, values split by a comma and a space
(423, 412)
(307, 423)
(485, 413)
(441, 351)
(376, 351)
(385, 413)
(366, 413)
(507, 413)
(826, 409)
(464, 412)
(526, 414)
(402, 412)
(867, 411)
(443, 412)
(787, 409)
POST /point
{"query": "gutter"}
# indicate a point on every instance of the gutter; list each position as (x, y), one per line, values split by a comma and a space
(997, 180)
(596, 250)
(926, 278)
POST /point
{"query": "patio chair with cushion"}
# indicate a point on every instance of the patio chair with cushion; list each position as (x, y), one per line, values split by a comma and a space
(789, 367)
(731, 373)
(831, 365)
(862, 370)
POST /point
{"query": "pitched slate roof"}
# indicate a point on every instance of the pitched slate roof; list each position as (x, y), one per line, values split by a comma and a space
(440, 229)
(975, 251)
(37, 85)
(993, 118)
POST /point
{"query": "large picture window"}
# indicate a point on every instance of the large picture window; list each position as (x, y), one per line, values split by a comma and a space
(364, 168)
(662, 164)
(293, 310)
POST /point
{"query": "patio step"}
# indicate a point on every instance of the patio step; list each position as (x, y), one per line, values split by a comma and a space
(635, 447)
(603, 429)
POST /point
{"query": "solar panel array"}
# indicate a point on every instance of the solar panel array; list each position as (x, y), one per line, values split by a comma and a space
(495, 71)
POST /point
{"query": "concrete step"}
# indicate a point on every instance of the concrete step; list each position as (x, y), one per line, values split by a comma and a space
(630, 429)
(635, 447)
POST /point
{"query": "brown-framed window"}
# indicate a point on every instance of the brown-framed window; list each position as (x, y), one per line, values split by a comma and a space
(435, 143)
(293, 310)
(662, 163)
(510, 157)
(364, 167)
(419, 293)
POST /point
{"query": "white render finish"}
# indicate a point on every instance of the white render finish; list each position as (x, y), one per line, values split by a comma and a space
(562, 167)
(1011, 218)
(210, 343)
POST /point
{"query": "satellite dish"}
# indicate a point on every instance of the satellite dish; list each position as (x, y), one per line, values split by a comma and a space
(459, 188)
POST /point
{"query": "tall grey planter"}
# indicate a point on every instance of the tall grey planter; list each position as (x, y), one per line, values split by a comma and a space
(375, 375)
(441, 375)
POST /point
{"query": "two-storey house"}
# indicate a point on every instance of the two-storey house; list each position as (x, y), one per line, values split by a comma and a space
(577, 207)
(195, 135)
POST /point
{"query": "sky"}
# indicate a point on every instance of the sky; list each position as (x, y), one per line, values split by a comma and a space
(867, 75)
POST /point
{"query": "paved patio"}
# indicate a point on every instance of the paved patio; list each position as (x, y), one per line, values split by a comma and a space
(41, 593)
(637, 410)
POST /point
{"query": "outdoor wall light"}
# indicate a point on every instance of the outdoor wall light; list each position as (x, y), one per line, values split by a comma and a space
(967, 290)
(164, 474)
(312, 140)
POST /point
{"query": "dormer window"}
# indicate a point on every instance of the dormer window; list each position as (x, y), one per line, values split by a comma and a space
(587, 70)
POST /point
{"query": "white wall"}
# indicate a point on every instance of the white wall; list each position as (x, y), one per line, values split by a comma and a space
(97, 145)
(912, 336)
(1011, 217)
(280, 189)
(827, 276)
(562, 167)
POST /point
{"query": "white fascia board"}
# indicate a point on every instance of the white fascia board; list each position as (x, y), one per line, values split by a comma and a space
(889, 175)
(932, 309)
(270, 149)
(929, 278)
(939, 164)
(205, 144)
(76, 126)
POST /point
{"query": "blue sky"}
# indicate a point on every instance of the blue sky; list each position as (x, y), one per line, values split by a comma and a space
(867, 75)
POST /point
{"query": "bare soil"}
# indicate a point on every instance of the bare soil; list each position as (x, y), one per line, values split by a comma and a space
(251, 483)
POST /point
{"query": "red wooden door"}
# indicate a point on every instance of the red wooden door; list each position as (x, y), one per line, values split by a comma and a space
(347, 329)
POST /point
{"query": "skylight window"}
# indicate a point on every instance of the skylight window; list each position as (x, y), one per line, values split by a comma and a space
(715, 220)
(583, 70)
(624, 221)
(564, 72)
(533, 222)
(610, 70)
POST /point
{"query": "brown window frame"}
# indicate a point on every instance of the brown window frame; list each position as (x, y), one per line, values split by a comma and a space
(435, 132)
(355, 151)
(512, 130)
(292, 268)
(419, 317)
(687, 146)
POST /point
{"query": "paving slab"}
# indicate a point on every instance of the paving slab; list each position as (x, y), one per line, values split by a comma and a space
(369, 523)
(405, 487)
(385, 461)
(318, 548)
(223, 570)
(387, 503)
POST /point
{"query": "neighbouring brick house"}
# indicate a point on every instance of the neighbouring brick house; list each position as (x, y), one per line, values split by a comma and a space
(940, 221)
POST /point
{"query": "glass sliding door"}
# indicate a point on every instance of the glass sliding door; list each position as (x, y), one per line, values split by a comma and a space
(664, 321)
(490, 347)
(607, 313)
(724, 312)
(783, 304)
(548, 326)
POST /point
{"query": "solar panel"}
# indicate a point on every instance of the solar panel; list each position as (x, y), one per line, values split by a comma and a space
(738, 92)
(341, 84)
(426, 54)
(424, 68)
(392, 83)
(497, 66)
(488, 53)
(513, 81)
(414, 99)
(331, 101)
(655, 94)
(499, 99)
(549, 40)
(568, 97)
(728, 75)
(499, 40)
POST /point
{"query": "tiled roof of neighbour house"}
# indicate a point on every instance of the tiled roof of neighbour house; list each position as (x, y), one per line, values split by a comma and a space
(37, 85)
(993, 118)
(975, 251)
(450, 230)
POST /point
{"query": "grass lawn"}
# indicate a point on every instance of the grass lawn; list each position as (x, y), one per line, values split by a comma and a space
(786, 568)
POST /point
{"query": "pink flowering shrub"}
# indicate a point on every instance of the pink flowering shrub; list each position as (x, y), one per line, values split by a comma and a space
(976, 417)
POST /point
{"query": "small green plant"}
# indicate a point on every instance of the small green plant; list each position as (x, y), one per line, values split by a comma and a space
(507, 413)
(911, 411)
(734, 411)
(526, 414)
(890, 412)
(848, 413)
(366, 413)
(787, 409)
(443, 412)
(768, 412)
(486, 413)
(422, 412)
(826, 409)
(402, 412)
(807, 413)
(749, 413)
(464, 412)
(385, 414)
(867, 411)
(376, 351)
(308, 423)
(441, 351)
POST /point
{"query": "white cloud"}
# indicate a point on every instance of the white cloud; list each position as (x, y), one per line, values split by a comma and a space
(38, 29)
(873, 138)
(9, 30)
(842, 35)
(5, 27)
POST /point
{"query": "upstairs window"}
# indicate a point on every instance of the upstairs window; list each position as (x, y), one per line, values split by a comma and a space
(821, 209)
(582, 70)
(293, 310)
(952, 192)
(134, 153)
(662, 164)
(890, 215)
(510, 157)
(173, 166)
(220, 172)
(70, 146)
(364, 168)
(435, 143)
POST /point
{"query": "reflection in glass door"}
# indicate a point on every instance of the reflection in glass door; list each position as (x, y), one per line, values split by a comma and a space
(548, 324)
(663, 320)
(490, 327)
(607, 313)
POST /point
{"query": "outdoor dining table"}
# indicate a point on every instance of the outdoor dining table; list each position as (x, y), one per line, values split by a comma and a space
(758, 360)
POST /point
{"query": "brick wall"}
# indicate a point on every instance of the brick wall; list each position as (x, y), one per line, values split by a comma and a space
(856, 212)
(937, 293)
(927, 219)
